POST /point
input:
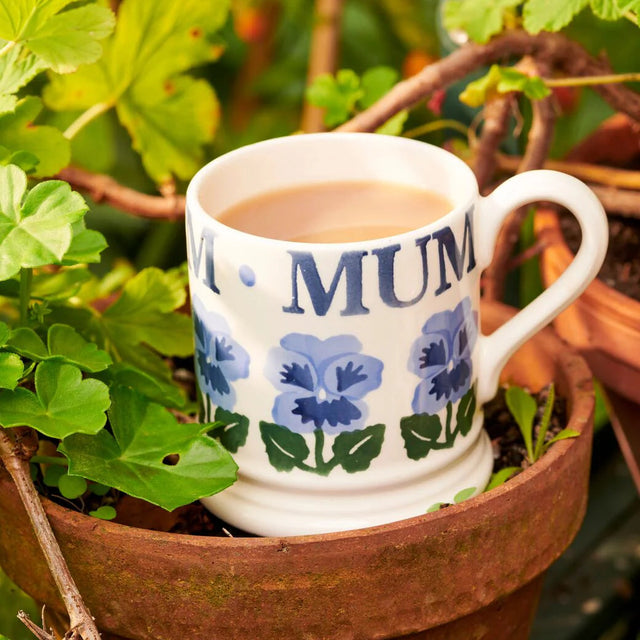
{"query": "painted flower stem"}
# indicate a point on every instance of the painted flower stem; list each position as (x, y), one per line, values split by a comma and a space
(26, 279)
(447, 428)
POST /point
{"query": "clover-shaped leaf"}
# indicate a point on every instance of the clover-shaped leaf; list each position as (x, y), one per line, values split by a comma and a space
(64, 344)
(338, 95)
(36, 229)
(170, 116)
(62, 404)
(58, 39)
(11, 370)
(135, 458)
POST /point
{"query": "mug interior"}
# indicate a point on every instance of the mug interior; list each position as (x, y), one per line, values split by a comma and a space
(310, 159)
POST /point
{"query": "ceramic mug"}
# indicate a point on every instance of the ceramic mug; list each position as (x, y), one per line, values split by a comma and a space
(351, 376)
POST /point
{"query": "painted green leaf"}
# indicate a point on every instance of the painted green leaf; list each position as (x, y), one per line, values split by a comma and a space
(375, 83)
(133, 458)
(523, 408)
(169, 115)
(35, 230)
(11, 370)
(144, 316)
(464, 494)
(286, 449)
(105, 512)
(354, 450)
(420, 433)
(479, 19)
(47, 144)
(500, 477)
(59, 39)
(63, 404)
(71, 487)
(233, 430)
(500, 80)
(337, 95)
(466, 411)
(550, 15)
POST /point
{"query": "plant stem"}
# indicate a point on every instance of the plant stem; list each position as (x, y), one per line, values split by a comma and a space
(436, 125)
(587, 81)
(7, 47)
(80, 618)
(85, 118)
(26, 278)
(61, 462)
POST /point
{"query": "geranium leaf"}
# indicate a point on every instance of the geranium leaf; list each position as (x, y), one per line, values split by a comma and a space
(17, 67)
(607, 9)
(375, 83)
(35, 230)
(5, 332)
(144, 314)
(338, 95)
(134, 458)
(63, 404)
(67, 344)
(28, 344)
(11, 370)
(60, 285)
(550, 15)
(169, 116)
(86, 246)
(62, 40)
(479, 19)
(47, 144)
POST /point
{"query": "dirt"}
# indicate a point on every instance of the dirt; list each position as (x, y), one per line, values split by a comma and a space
(194, 519)
(621, 268)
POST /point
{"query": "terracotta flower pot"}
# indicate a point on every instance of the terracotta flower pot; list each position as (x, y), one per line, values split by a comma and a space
(472, 570)
(603, 324)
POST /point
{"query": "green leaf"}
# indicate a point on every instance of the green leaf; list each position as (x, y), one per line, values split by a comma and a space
(500, 80)
(354, 450)
(466, 411)
(28, 344)
(338, 95)
(544, 422)
(63, 403)
(144, 316)
(59, 39)
(34, 231)
(5, 333)
(232, 430)
(376, 82)
(11, 370)
(550, 15)
(500, 477)
(523, 408)
(435, 507)
(60, 285)
(132, 459)
(565, 434)
(66, 344)
(169, 115)
(86, 246)
(47, 144)
(105, 512)
(463, 495)
(420, 433)
(394, 125)
(286, 449)
(479, 19)
(607, 9)
(52, 475)
(17, 67)
(71, 487)
(99, 489)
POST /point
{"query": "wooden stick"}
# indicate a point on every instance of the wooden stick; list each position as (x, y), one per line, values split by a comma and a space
(619, 201)
(81, 620)
(325, 43)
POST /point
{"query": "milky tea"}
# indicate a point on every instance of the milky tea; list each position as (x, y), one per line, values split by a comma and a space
(335, 212)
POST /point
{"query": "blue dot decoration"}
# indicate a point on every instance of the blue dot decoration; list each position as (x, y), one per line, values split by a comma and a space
(247, 275)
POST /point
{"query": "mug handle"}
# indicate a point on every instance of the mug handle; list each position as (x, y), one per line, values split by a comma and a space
(531, 186)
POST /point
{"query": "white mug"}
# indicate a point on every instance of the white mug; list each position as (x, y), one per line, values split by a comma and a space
(351, 376)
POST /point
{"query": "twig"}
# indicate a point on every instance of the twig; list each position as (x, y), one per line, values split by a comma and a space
(619, 201)
(495, 128)
(538, 145)
(610, 176)
(103, 188)
(38, 632)
(325, 41)
(531, 252)
(553, 47)
(12, 457)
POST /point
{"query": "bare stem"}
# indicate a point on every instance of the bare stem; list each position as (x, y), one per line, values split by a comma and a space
(85, 118)
(586, 81)
(325, 41)
(619, 201)
(80, 618)
(7, 47)
(436, 125)
(103, 188)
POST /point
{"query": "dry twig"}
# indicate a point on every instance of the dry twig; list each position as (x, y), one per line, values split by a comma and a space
(81, 621)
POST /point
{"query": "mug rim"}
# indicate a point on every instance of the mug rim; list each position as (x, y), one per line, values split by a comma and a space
(195, 208)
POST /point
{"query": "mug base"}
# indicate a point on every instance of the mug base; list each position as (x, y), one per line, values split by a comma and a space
(274, 511)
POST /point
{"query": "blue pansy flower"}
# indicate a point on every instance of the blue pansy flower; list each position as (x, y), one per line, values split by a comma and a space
(219, 358)
(322, 382)
(441, 356)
